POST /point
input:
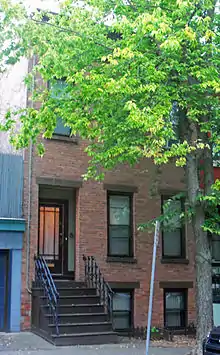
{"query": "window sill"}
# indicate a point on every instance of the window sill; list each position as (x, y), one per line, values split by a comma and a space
(121, 259)
(56, 137)
(175, 261)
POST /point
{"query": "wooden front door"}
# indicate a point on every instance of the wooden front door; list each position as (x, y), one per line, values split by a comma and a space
(53, 234)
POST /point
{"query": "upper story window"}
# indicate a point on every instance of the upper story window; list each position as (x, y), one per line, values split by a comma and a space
(216, 157)
(173, 235)
(58, 92)
(174, 119)
(215, 244)
(120, 225)
(175, 308)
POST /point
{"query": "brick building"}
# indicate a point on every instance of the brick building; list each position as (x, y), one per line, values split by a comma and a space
(67, 218)
(101, 219)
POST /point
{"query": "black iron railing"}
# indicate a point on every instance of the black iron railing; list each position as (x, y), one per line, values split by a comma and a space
(44, 279)
(94, 278)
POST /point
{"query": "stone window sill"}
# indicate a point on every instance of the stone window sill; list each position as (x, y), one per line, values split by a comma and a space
(121, 259)
(175, 261)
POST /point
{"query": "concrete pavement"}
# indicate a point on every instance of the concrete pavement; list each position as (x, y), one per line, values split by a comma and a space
(30, 344)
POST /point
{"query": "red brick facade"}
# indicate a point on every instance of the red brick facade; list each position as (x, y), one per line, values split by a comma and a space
(67, 161)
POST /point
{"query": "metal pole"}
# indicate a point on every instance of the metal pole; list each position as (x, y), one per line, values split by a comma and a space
(156, 239)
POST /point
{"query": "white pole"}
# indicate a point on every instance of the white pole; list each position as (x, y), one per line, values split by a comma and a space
(156, 239)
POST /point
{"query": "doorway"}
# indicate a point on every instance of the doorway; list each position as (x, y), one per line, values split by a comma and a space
(53, 235)
(3, 290)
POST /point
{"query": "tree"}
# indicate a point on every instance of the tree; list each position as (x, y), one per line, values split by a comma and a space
(141, 83)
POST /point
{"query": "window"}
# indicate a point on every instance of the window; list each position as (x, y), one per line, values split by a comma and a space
(122, 310)
(216, 247)
(120, 228)
(175, 308)
(216, 155)
(174, 119)
(173, 235)
(58, 92)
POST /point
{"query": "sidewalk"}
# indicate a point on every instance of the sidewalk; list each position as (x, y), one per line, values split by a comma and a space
(30, 344)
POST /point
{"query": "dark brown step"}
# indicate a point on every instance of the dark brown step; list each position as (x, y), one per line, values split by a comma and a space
(85, 339)
(62, 277)
(79, 318)
(75, 309)
(70, 291)
(79, 328)
(69, 283)
(72, 300)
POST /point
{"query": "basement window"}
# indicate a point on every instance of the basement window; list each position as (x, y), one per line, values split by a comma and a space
(122, 310)
(175, 308)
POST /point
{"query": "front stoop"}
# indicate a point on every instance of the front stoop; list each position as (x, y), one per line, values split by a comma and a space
(81, 317)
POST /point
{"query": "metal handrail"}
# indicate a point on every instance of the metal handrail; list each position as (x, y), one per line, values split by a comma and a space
(95, 279)
(44, 278)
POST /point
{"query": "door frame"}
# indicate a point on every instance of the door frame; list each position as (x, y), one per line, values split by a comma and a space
(6, 291)
(63, 247)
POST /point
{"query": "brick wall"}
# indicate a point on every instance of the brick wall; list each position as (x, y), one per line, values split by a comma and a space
(65, 160)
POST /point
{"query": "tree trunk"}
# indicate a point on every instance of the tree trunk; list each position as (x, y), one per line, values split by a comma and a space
(203, 259)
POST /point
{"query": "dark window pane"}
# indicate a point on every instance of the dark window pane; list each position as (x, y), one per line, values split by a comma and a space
(173, 233)
(216, 247)
(119, 246)
(57, 89)
(172, 243)
(121, 321)
(61, 129)
(121, 232)
(58, 92)
(121, 310)
(122, 302)
(173, 319)
(175, 312)
(174, 300)
(119, 210)
(119, 227)
(173, 209)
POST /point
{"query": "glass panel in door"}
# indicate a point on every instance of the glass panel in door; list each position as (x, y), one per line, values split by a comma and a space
(51, 235)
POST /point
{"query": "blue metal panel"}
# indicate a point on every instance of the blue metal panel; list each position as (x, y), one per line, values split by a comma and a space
(9, 288)
(11, 185)
(15, 304)
(3, 275)
(11, 240)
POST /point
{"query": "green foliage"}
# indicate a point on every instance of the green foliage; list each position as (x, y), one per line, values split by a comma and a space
(123, 79)
(212, 201)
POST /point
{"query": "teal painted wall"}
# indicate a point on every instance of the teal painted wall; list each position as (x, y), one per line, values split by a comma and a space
(12, 227)
(12, 241)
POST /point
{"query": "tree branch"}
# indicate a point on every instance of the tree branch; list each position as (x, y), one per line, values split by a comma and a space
(63, 29)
